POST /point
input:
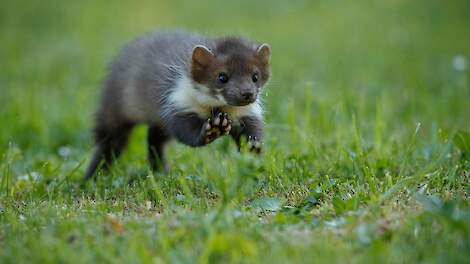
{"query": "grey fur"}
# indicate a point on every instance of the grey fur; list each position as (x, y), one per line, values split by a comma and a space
(137, 88)
(144, 73)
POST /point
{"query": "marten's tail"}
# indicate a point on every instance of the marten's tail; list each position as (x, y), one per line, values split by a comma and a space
(109, 144)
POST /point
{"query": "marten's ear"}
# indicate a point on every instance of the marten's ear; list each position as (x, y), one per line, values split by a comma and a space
(263, 52)
(202, 56)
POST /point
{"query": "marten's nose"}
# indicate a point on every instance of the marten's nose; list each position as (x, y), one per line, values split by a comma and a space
(248, 96)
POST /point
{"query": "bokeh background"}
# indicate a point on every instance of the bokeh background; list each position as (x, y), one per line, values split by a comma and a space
(366, 154)
(408, 57)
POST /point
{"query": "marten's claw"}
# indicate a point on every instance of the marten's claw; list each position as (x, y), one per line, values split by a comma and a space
(225, 124)
(216, 126)
(254, 145)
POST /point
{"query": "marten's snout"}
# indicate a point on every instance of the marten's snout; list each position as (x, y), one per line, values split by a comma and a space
(245, 93)
(241, 97)
(249, 96)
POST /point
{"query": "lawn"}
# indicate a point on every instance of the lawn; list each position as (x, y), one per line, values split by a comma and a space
(366, 157)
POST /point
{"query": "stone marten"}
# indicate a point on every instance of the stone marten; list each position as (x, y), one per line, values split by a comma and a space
(184, 86)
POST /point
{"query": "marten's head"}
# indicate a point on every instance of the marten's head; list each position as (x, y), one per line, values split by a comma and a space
(234, 71)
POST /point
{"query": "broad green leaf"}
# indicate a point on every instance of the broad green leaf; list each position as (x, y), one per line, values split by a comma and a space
(266, 204)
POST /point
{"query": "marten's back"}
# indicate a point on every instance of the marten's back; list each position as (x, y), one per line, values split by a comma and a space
(142, 75)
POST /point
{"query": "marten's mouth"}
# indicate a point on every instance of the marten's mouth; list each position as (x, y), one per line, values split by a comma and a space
(242, 101)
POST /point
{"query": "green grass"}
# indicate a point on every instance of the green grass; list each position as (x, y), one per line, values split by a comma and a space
(366, 155)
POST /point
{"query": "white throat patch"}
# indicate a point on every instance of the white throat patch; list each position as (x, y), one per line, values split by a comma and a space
(198, 100)
(194, 99)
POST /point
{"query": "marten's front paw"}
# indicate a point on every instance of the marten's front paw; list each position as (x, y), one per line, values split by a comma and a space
(216, 126)
(254, 144)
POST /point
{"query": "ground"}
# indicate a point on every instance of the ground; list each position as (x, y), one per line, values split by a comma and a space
(366, 157)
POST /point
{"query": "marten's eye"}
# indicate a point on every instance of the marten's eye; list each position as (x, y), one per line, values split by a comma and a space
(223, 77)
(254, 78)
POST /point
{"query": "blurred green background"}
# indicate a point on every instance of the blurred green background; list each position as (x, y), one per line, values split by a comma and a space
(366, 151)
(395, 53)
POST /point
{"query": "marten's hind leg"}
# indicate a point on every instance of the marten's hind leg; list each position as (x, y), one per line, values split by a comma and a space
(156, 139)
(109, 144)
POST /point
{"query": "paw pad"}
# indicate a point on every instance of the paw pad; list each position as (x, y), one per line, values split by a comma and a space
(217, 125)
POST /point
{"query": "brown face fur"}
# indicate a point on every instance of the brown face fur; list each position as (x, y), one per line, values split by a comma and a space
(239, 61)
